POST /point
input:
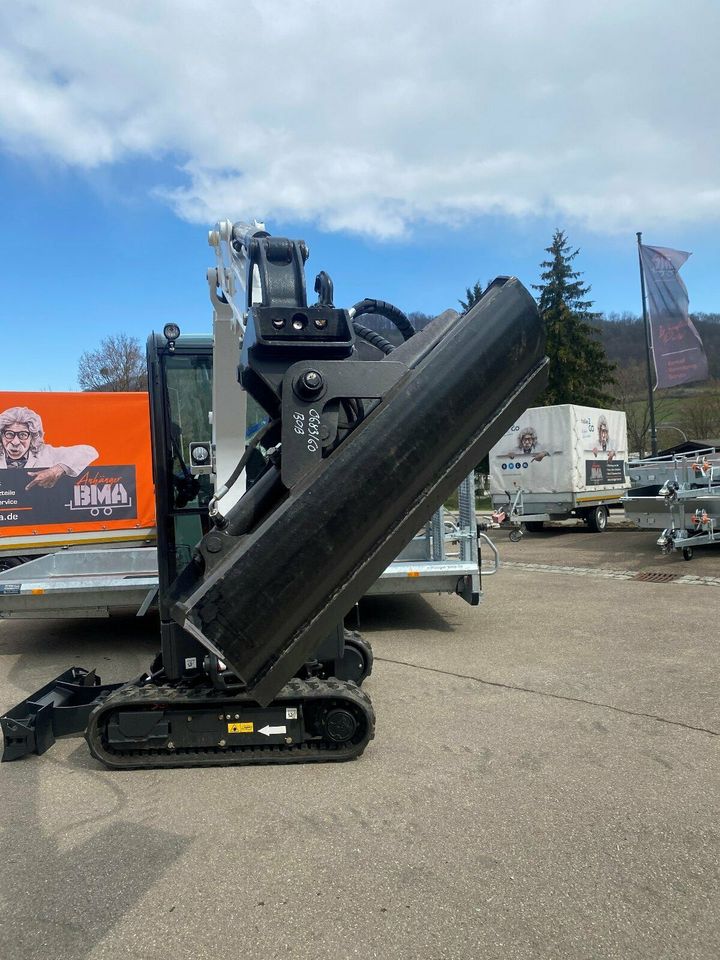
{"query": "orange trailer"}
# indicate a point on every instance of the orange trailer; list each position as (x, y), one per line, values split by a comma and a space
(75, 471)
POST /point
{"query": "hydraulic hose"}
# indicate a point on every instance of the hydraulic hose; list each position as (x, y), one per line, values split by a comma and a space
(387, 310)
(242, 463)
(370, 336)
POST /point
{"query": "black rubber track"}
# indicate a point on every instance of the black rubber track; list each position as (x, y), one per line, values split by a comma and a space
(308, 693)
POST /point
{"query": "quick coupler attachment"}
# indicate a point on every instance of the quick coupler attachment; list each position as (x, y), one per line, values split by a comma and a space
(59, 709)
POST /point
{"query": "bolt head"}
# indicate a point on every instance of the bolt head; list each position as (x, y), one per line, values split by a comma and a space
(310, 385)
(213, 544)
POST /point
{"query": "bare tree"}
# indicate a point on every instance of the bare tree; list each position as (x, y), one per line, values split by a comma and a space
(701, 417)
(117, 365)
(630, 395)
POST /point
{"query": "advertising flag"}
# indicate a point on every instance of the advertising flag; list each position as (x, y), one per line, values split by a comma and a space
(676, 345)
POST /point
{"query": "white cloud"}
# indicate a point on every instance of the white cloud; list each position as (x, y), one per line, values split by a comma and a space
(369, 116)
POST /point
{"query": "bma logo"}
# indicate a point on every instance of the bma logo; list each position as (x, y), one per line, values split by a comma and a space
(97, 493)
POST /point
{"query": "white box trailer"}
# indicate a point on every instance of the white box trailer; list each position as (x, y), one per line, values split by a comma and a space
(560, 461)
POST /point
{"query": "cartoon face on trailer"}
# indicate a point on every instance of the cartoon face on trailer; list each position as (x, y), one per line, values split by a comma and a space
(603, 433)
(603, 444)
(527, 446)
(527, 441)
(526, 449)
(23, 447)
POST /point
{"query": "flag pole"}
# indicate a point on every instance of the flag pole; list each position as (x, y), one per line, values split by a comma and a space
(648, 342)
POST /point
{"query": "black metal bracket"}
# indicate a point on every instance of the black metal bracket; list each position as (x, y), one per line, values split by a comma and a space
(59, 709)
(308, 389)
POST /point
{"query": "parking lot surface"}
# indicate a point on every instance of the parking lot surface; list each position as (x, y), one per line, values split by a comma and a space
(543, 784)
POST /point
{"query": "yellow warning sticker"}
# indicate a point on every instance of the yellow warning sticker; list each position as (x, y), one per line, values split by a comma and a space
(241, 728)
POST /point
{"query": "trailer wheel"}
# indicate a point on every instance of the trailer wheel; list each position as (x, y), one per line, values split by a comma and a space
(534, 526)
(515, 535)
(687, 553)
(597, 519)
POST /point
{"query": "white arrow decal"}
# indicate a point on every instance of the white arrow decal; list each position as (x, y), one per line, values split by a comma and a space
(269, 731)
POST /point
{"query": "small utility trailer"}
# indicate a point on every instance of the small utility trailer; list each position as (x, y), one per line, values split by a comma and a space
(558, 462)
(678, 495)
(84, 583)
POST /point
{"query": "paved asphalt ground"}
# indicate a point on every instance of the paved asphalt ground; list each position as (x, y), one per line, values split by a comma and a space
(543, 783)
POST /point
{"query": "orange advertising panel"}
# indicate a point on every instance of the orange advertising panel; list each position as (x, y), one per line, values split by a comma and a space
(74, 462)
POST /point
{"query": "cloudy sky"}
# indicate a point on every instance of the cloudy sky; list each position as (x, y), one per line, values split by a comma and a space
(417, 146)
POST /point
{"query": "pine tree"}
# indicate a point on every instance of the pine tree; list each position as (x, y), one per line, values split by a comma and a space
(579, 369)
(472, 294)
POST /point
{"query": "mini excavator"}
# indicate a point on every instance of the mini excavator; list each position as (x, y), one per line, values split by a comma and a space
(353, 454)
